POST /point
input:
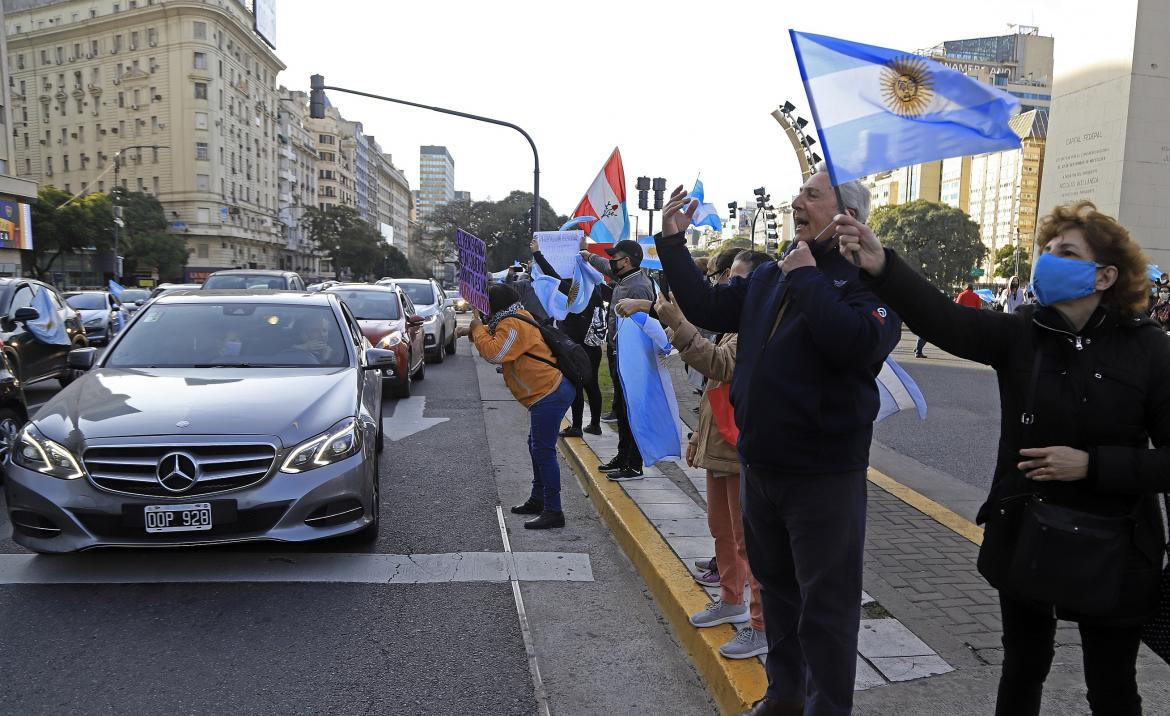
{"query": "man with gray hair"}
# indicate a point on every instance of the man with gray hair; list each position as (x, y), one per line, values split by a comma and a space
(812, 339)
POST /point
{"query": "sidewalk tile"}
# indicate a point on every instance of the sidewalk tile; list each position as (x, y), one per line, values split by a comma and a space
(906, 668)
(661, 497)
(674, 512)
(889, 637)
(683, 528)
(867, 677)
(692, 547)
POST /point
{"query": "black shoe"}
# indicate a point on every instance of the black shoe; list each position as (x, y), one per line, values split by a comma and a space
(610, 417)
(593, 429)
(626, 473)
(919, 355)
(531, 507)
(545, 521)
(570, 433)
(612, 466)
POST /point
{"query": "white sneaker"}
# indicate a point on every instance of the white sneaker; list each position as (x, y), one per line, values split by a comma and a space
(747, 643)
(720, 612)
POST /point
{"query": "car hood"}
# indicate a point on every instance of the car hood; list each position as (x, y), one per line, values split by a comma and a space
(292, 404)
(375, 330)
(426, 311)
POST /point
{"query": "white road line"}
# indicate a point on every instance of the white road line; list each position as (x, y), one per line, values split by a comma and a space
(191, 567)
(529, 647)
(408, 419)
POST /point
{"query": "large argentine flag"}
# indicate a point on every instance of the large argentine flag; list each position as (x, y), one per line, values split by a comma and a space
(641, 342)
(877, 109)
(898, 391)
(606, 199)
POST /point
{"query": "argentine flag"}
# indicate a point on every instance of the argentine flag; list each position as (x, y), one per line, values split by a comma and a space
(558, 305)
(48, 328)
(705, 214)
(898, 391)
(877, 109)
(641, 343)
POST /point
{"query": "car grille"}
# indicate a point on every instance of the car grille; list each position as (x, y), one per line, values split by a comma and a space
(134, 469)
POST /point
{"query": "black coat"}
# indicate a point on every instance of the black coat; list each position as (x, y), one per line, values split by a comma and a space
(1104, 390)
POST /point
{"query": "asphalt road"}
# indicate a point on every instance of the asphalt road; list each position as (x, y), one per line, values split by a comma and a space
(351, 647)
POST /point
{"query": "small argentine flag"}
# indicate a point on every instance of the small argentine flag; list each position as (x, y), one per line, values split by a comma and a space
(898, 392)
(877, 109)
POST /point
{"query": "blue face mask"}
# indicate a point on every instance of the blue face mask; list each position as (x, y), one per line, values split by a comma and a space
(1056, 279)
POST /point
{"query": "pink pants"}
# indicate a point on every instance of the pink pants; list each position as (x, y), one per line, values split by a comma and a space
(725, 520)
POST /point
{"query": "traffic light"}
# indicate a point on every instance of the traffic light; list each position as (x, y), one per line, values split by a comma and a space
(659, 188)
(731, 207)
(642, 184)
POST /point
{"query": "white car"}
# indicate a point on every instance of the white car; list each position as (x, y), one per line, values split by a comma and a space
(437, 311)
(102, 315)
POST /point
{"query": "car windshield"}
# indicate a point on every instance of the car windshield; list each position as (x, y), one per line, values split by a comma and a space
(422, 294)
(206, 335)
(87, 301)
(370, 305)
(244, 280)
(453, 294)
(131, 295)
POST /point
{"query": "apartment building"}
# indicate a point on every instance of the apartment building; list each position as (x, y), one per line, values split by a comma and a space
(16, 193)
(297, 186)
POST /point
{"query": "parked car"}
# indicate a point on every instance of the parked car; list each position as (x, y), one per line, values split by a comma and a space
(458, 302)
(30, 359)
(13, 410)
(254, 278)
(388, 320)
(438, 314)
(314, 287)
(165, 288)
(133, 298)
(215, 417)
(102, 315)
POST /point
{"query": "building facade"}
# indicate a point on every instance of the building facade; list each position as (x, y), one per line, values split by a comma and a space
(1020, 63)
(180, 99)
(336, 183)
(16, 193)
(297, 185)
(436, 180)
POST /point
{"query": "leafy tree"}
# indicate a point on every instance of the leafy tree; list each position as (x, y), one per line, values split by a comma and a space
(738, 242)
(505, 226)
(144, 242)
(352, 244)
(60, 229)
(395, 264)
(938, 241)
(1005, 262)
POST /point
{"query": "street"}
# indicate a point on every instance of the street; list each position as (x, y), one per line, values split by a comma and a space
(327, 628)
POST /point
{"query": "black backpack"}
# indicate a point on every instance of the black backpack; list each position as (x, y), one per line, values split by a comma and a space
(571, 359)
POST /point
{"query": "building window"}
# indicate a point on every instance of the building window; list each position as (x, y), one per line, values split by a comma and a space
(203, 215)
(200, 30)
(44, 57)
(201, 120)
(121, 99)
(117, 43)
(134, 40)
(200, 90)
(201, 250)
(202, 182)
(151, 37)
(200, 60)
(20, 60)
(154, 155)
(201, 150)
(93, 47)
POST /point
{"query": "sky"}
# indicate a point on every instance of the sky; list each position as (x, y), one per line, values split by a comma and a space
(681, 87)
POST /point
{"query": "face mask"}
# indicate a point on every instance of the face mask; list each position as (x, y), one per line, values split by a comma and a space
(1056, 279)
(615, 265)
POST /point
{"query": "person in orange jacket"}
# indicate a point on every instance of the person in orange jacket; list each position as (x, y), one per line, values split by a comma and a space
(969, 298)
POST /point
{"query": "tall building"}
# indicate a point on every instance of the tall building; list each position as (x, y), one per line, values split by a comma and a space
(394, 203)
(1020, 63)
(336, 183)
(297, 185)
(15, 193)
(182, 94)
(436, 180)
(462, 197)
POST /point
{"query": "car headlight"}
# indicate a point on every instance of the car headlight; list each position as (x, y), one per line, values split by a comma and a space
(338, 443)
(36, 452)
(390, 340)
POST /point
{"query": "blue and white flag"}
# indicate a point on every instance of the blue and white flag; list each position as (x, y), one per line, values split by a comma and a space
(116, 289)
(877, 109)
(898, 391)
(48, 328)
(557, 304)
(654, 422)
(650, 258)
(705, 214)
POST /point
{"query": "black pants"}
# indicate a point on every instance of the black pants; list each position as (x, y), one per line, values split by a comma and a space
(918, 348)
(805, 535)
(628, 454)
(1109, 655)
(590, 389)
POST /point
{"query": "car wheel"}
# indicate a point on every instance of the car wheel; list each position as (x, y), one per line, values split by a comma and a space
(380, 437)
(10, 424)
(439, 355)
(450, 347)
(369, 533)
(421, 373)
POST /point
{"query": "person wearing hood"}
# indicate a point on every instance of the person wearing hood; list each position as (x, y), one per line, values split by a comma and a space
(1085, 441)
(1012, 297)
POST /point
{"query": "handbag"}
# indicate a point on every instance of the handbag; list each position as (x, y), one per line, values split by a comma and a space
(595, 335)
(1156, 632)
(1072, 559)
(723, 413)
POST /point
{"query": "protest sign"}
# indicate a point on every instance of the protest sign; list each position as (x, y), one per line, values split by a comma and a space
(472, 270)
(560, 249)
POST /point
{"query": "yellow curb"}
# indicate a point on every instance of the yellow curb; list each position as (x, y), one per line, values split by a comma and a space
(956, 523)
(735, 684)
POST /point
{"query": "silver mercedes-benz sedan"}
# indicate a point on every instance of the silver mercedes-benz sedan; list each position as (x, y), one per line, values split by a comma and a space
(213, 417)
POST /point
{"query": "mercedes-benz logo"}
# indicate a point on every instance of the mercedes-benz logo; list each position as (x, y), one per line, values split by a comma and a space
(177, 472)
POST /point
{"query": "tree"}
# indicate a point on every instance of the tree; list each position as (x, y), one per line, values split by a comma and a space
(351, 243)
(1005, 262)
(144, 242)
(505, 226)
(395, 264)
(733, 243)
(60, 229)
(938, 241)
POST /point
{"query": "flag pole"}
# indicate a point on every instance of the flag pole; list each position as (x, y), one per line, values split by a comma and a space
(841, 210)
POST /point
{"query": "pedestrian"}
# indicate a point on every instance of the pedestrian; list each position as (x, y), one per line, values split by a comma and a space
(811, 341)
(586, 329)
(625, 258)
(1012, 297)
(1083, 392)
(510, 340)
(969, 298)
(1161, 309)
(519, 278)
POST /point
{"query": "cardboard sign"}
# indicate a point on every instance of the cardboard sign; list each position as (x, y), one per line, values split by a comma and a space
(560, 249)
(473, 275)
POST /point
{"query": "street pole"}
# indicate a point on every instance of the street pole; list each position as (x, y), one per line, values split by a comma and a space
(754, 217)
(317, 89)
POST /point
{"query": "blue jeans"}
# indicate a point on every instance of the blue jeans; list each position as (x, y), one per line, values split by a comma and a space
(545, 416)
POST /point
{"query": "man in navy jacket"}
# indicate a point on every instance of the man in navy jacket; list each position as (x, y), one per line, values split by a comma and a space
(812, 339)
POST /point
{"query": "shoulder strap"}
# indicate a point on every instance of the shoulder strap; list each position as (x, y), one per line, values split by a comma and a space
(530, 354)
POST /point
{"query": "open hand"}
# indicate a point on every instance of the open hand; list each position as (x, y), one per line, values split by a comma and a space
(858, 243)
(798, 257)
(1060, 463)
(674, 219)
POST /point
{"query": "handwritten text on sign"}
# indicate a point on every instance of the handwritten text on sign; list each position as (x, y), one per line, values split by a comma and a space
(560, 249)
(472, 270)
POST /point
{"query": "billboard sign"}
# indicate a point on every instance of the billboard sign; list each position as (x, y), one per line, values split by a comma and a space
(15, 225)
(264, 21)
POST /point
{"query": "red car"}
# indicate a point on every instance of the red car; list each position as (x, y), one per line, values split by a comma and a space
(388, 320)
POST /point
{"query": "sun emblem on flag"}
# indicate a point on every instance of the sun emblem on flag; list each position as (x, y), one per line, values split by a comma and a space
(907, 86)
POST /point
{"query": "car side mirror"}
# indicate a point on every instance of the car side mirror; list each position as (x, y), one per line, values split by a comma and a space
(378, 358)
(140, 302)
(81, 358)
(415, 320)
(26, 314)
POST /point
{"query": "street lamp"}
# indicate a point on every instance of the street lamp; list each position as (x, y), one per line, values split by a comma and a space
(317, 89)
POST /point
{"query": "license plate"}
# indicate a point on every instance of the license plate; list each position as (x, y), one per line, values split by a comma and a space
(191, 517)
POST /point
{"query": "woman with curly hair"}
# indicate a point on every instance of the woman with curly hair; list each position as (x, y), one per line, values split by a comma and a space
(1072, 527)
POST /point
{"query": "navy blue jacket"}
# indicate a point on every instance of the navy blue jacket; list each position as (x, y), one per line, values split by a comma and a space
(805, 401)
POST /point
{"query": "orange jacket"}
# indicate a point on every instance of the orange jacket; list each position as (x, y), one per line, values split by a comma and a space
(528, 378)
